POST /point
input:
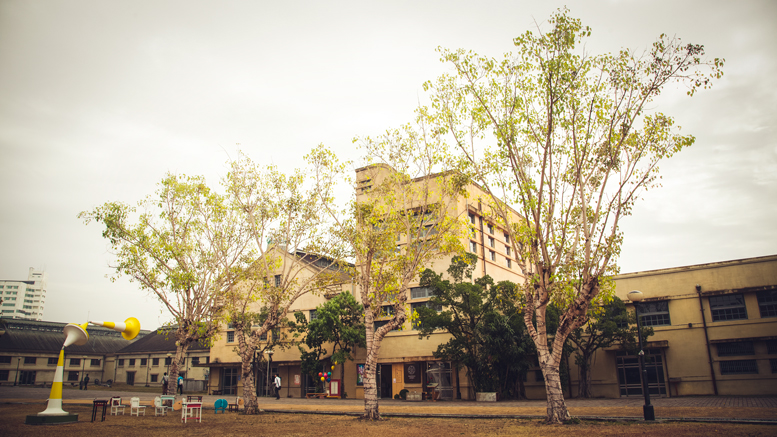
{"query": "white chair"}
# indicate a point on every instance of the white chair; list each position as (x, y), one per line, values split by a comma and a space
(191, 410)
(116, 406)
(136, 408)
(159, 409)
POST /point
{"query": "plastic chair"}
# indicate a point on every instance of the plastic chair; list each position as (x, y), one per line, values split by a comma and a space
(116, 406)
(221, 404)
(136, 408)
(159, 409)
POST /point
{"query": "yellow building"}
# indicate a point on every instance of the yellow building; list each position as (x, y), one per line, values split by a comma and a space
(405, 361)
(715, 332)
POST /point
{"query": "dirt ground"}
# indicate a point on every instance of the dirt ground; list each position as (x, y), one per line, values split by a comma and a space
(12, 418)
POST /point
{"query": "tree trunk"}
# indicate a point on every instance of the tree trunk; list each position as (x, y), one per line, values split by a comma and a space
(584, 385)
(557, 408)
(180, 351)
(370, 375)
(249, 395)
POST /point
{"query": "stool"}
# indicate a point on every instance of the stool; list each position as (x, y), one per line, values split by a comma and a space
(99, 403)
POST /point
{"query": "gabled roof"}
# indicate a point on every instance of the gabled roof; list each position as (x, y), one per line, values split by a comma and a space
(161, 340)
(48, 337)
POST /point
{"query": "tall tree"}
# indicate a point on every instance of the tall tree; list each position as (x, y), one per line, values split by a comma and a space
(186, 247)
(301, 256)
(607, 324)
(339, 325)
(488, 335)
(401, 218)
(571, 141)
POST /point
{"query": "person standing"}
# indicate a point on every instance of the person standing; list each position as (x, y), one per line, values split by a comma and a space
(164, 384)
(180, 384)
(277, 387)
(86, 382)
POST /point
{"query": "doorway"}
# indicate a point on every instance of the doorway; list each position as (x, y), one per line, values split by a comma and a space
(26, 377)
(130, 378)
(385, 375)
(629, 381)
(229, 381)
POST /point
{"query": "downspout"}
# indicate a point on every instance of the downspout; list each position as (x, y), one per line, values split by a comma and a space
(707, 339)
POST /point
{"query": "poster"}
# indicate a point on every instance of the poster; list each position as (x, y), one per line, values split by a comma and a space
(360, 374)
(296, 379)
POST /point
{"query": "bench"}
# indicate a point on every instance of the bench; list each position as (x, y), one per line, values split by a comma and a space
(317, 395)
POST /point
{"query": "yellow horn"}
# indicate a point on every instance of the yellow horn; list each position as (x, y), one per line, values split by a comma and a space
(129, 329)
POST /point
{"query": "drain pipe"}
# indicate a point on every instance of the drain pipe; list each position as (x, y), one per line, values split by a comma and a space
(707, 339)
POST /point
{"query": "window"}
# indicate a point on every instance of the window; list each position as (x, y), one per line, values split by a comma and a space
(230, 336)
(472, 218)
(121, 362)
(94, 362)
(507, 250)
(507, 237)
(728, 307)
(4, 375)
(771, 347)
(492, 255)
(168, 361)
(386, 311)
(313, 315)
(154, 378)
(421, 292)
(195, 361)
(490, 229)
(132, 362)
(738, 367)
(414, 307)
(379, 323)
(5, 360)
(473, 247)
(509, 263)
(654, 313)
(735, 348)
(277, 280)
(154, 361)
(53, 361)
(767, 303)
(491, 242)
(72, 376)
(143, 362)
(263, 337)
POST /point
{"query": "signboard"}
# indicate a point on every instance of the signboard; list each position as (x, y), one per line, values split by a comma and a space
(412, 373)
(296, 379)
(360, 374)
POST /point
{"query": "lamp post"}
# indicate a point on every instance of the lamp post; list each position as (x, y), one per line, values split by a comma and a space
(269, 363)
(647, 409)
(83, 365)
(169, 360)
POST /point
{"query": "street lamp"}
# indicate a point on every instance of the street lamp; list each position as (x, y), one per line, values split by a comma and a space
(83, 365)
(647, 409)
(169, 360)
(269, 363)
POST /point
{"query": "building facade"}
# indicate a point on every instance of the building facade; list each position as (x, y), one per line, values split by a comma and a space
(24, 299)
(715, 332)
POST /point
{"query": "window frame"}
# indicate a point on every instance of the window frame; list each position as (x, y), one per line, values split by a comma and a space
(722, 309)
(767, 303)
(656, 316)
(739, 367)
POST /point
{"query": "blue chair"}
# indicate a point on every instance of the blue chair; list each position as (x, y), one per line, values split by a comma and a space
(221, 404)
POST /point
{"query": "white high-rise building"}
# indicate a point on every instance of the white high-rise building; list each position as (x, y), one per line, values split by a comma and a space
(24, 299)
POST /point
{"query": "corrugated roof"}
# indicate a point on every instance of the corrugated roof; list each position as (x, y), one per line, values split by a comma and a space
(47, 337)
(157, 341)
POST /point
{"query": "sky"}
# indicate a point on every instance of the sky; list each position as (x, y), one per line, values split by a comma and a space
(99, 100)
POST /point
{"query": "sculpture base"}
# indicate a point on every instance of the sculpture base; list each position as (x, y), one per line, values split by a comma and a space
(51, 420)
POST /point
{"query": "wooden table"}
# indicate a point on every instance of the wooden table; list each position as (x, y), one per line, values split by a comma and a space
(190, 409)
(99, 403)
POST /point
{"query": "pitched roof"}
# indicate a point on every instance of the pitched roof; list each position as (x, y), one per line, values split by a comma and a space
(161, 340)
(48, 337)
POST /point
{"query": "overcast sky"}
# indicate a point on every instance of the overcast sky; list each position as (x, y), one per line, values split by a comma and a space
(99, 99)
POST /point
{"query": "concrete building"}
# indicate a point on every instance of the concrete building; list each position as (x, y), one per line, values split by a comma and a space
(24, 299)
(715, 332)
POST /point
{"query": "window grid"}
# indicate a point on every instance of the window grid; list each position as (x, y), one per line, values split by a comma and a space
(771, 347)
(30, 360)
(728, 307)
(654, 313)
(767, 303)
(773, 364)
(421, 292)
(492, 254)
(738, 367)
(735, 348)
(230, 336)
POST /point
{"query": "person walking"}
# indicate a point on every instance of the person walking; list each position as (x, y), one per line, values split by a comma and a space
(277, 387)
(86, 382)
(164, 384)
(180, 384)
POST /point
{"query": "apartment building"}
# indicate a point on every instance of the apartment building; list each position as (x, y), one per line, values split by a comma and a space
(24, 299)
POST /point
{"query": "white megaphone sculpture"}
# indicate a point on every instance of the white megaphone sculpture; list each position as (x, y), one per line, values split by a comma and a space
(77, 335)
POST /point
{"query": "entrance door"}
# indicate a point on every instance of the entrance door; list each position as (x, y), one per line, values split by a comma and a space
(130, 378)
(629, 381)
(26, 377)
(385, 381)
(229, 381)
(398, 378)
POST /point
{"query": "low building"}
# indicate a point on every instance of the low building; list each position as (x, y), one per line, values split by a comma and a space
(715, 332)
